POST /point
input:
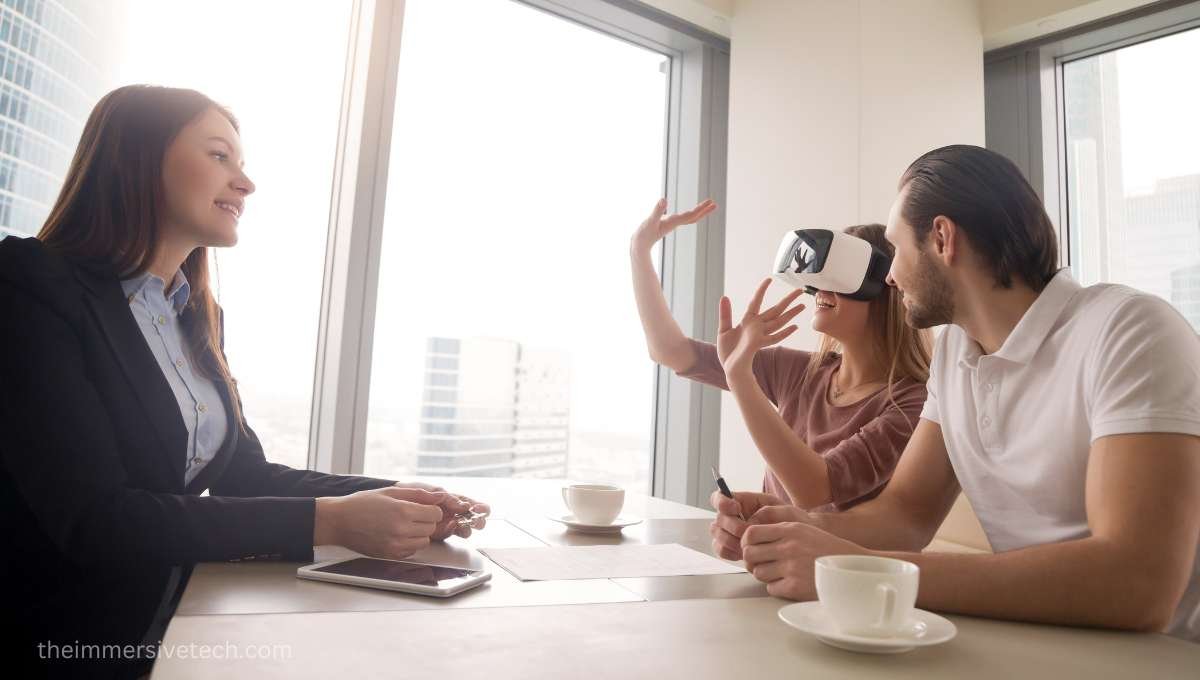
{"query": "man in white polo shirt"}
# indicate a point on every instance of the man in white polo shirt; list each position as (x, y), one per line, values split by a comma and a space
(1069, 416)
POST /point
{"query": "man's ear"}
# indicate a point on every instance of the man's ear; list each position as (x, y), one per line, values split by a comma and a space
(945, 239)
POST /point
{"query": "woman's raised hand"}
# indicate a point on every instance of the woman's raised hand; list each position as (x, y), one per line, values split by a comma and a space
(737, 345)
(658, 224)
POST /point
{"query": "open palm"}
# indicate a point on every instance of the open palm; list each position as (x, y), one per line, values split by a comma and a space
(737, 345)
(659, 224)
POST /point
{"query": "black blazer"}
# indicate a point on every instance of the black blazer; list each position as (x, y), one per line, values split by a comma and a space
(93, 507)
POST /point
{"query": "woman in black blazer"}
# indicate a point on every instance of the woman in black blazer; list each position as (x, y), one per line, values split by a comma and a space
(102, 523)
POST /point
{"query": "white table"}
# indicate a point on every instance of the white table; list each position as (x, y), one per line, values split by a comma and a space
(676, 627)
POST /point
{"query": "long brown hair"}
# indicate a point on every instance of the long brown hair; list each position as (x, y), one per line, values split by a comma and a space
(112, 202)
(904, 349)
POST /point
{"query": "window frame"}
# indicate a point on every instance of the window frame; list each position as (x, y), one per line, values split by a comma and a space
(686, 415)
(1025, 105)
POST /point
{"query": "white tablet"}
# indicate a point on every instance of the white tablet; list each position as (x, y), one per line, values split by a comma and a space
(408, 577)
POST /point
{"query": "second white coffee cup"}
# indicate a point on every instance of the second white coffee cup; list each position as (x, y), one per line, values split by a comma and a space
(594, 503)
(867, 595)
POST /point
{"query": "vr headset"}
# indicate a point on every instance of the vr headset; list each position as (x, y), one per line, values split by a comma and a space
(822, 259)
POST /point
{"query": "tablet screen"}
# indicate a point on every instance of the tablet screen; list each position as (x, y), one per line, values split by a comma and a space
(400, 572)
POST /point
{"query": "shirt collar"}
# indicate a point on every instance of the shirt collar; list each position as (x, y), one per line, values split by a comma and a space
(1035, 325)
(180, 291)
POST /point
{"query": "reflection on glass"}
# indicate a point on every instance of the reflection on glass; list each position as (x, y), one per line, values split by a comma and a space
(1133, 169)
(506, 340)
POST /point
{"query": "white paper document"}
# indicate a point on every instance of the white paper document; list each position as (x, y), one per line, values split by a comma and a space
(607, 561)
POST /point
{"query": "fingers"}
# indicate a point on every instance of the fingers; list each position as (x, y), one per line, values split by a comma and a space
(421, 496)
(726, 506)
(714, 500)
(751, 501)
(757, 534)
(782, 304)
(731, 525)
(786, 588)
(756, 301)
(418, 513)
(768, 572)
(759, 554)
(698, 213)
(656, 213)
(776, 338)
(774, 514)
(726, 552)
(725, 545)
(782, 319)
(724, 315)
(690, 217)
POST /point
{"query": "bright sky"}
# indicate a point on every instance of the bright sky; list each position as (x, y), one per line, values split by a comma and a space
(1160, 105)
(525, 151)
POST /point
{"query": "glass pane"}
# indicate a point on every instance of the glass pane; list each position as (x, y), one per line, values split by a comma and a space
(1133, 169)
(56, 61)
(506, 338)
(287, 100)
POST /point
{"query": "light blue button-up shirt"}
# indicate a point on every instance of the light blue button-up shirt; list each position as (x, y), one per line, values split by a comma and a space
(156, 312)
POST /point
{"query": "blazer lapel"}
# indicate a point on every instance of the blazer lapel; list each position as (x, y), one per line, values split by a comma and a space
(127, 343)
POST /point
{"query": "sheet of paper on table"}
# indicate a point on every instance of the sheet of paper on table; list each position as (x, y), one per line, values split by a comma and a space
(607, 561)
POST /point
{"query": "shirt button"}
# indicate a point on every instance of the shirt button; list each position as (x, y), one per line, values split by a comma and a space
(989, 387)
(986, 421)
(179, 363)
(162, 320)
(202, 408)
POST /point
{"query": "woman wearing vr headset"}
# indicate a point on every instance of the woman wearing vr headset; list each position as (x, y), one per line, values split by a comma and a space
(831, 424)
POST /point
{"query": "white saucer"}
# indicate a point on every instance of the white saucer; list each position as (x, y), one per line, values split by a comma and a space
(585, 528)
(927, 629)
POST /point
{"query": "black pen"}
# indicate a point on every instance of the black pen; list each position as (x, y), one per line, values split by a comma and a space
(726, 492)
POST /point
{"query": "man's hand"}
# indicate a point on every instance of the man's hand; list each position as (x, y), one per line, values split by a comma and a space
(728, 527)
(783, 556)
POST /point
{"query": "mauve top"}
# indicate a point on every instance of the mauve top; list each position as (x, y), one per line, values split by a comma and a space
(860, 442)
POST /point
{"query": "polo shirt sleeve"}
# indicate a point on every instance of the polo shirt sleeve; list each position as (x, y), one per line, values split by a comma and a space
(777, 369)
(930, 410)
(1145, 371)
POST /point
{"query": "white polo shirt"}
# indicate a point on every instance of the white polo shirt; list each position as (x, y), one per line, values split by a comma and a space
(1082, 363)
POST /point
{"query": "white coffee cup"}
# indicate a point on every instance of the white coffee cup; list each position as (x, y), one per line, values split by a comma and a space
(594, 503)
(866, 595)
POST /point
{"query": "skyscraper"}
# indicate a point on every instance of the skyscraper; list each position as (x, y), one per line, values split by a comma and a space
(1185, 293)
(56, 60)
(492, 408)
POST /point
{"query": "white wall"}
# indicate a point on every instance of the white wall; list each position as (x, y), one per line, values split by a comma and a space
(830, 100)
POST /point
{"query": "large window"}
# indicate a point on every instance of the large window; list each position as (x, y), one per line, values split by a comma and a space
(1133, 168)
(506, 338)
(1102, 120)
(286, 98)
(472, 314)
